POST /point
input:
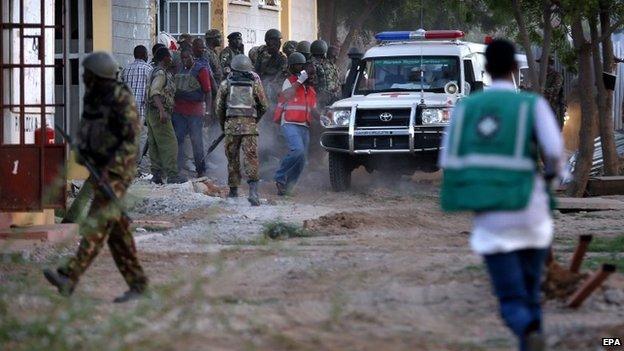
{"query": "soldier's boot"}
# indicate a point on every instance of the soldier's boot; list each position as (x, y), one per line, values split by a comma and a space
(129, 295)
(281, 188)
(157, 179)
(233, 192)
(62, 282)
(177, 179)
(253, 198)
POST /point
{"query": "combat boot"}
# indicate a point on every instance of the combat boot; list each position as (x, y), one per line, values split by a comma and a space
(253, 198)
(157, 179)
(62, 282)
(129, 295)
(233, 192)
(177, 179)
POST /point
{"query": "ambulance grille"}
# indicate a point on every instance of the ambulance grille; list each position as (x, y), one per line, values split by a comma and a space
(379, 118)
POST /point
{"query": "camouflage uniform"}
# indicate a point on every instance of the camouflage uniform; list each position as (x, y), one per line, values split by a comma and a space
(552, 90)
(273, 70)
(163, 145)
(226, 57)
(107, 138)
(240, 124)
(215, 64)
(327, 82)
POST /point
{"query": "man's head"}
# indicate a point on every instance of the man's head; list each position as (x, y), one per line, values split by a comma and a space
(289, 47)
(273, 39)
(213, 38)
(235, 41)
(500, 59)
(303, 47)
(186, 57)
(163, 57)
(185, 38)
(296, 62)
(186, 45)
(140, 53)
(242, 63)
(318, 48)
(156, 47)
(332, 53)
(99, 66)
(311, 70)
(199, 47)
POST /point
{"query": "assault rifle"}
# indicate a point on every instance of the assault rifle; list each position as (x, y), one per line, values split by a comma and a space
(96, 175)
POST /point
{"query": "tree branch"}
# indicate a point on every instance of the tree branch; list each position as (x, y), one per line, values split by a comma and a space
(607, 33)
(526, 43)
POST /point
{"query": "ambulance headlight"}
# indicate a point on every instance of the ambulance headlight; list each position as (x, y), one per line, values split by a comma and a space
(336, 118)
(436, 115)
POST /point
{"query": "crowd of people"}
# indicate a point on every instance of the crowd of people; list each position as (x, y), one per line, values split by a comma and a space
(192, 91)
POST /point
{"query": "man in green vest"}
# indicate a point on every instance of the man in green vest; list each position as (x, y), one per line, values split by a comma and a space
(490, 162)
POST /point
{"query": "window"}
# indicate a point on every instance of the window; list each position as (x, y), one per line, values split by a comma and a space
(184, 16)
(269, 4)
(241, 2)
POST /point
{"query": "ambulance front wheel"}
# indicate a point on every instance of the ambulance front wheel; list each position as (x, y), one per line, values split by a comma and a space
(340, 168)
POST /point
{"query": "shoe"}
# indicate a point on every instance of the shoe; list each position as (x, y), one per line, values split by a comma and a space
(157, 179)
(177, 179)
(233, 192)
(535, 341)
(202, 174)
(253, 198)
(129, 295)
(281, 188)
(62, 282)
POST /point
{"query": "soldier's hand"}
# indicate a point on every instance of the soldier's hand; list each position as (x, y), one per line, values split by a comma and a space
(163, 117)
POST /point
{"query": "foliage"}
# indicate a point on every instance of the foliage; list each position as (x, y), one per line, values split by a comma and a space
(281, 230)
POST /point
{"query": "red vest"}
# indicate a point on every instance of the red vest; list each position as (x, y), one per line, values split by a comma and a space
(299, 108)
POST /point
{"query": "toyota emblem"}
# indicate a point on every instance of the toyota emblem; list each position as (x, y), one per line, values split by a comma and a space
(385, 117)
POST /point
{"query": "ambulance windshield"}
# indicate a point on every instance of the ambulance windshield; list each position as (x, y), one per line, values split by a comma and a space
(410, 73)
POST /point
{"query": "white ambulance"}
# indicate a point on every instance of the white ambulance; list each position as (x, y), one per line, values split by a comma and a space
(403, 96)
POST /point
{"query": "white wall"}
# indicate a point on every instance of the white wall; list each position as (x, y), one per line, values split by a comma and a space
(132, 26)
(303, 18)
(32, 78)
(252, 22)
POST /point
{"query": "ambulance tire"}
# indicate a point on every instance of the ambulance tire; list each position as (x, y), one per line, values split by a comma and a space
(340, 168)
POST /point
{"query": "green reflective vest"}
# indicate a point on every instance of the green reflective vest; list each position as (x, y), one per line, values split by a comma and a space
(492, 154)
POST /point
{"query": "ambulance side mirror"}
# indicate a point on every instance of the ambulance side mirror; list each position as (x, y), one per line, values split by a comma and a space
(477, 86)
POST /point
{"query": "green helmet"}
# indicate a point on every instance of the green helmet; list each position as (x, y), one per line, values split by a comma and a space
(102, 64)
(241, 63)
(318, 47)
(291, 44)
(304, 47)
(296, 58)
(213, 34)
(272, 34)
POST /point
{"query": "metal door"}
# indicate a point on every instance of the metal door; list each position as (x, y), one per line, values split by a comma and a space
(32, 175)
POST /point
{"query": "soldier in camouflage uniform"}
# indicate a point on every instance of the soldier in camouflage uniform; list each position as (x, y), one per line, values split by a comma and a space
(107, 139)
(240, 103)
(327, 82)
(553, 89)
(271, 65)
(289, 47)
(163, 145)
(213, 40)
(235, 47)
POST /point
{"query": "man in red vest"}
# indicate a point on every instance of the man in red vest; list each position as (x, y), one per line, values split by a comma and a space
(295, 109)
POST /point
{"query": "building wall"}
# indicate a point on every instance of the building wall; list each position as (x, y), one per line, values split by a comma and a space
(251, 21)
(132, 25)
(303, 20)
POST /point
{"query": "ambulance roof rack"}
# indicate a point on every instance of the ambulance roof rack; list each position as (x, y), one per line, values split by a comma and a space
(419, 34)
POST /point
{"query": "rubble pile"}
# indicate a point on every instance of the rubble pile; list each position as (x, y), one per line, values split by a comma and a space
(171, 199)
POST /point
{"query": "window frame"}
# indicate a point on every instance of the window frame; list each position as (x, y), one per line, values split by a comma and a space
(165, 7)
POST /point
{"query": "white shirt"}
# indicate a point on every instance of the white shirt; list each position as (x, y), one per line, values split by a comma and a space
(532, 227)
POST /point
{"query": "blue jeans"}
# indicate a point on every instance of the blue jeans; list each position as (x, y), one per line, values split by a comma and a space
(298, 139)
(516, 280)
(190, 125)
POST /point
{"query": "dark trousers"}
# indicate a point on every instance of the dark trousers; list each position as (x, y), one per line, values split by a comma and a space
(190, 125)
(516, 281)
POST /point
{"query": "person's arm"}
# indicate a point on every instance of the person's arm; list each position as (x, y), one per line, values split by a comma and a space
(220, 103)
(549, 138)
(125, 122)
(262, 103)
(156, 91)
(205, 81)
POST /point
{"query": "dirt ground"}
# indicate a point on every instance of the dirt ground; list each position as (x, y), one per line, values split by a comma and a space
(381, 269)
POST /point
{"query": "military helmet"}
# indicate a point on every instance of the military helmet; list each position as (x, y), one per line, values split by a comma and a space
(354, 53)
(289, 44)
(272, 34)
(235, 35)
(318, 47)
(304, 47)
(213, 34)
(102, 64)
(241, 63)
(296, 58)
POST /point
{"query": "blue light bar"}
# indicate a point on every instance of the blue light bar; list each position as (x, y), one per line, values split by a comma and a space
(420, 34)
